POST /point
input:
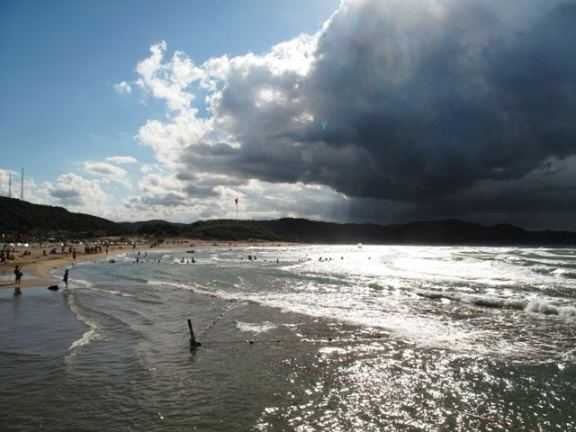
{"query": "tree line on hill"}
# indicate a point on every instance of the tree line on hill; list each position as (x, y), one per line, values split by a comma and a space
(22, 218)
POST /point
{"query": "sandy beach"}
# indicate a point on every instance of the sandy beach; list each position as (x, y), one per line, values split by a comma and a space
(37, 267)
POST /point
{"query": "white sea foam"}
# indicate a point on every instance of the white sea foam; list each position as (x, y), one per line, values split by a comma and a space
(90, 335)
(256, 328)
(544, 307)
(80, 283)
(544, 270)
(380, 293)
(569, 355)
(567, 274)
(112, 292)
(332, 350)
(494, 302)
(86, 338)
(424, 331)
(537, 306)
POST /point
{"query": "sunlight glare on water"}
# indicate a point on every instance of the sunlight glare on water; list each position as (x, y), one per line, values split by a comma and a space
(371, 338)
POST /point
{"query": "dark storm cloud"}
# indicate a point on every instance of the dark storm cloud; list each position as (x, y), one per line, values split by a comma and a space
(412, 102)
(543, 199)
(396, 109)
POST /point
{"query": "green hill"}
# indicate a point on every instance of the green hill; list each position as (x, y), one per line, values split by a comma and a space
(18, 216)
(22, 218)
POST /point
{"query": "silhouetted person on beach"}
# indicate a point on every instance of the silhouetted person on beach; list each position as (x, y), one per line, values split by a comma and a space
(17, 280)
(65, 278)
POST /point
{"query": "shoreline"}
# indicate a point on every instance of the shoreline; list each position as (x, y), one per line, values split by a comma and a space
(37, 273)
(37, 268)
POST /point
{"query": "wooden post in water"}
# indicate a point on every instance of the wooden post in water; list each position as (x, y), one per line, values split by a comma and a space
(193, 343)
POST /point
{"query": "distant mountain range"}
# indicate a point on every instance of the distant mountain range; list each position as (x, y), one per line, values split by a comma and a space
(26, 219)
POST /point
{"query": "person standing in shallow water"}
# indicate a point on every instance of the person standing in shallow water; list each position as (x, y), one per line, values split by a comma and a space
(65, 278)
(17, 280)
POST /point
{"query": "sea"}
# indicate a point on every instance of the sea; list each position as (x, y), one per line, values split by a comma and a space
(297, 338)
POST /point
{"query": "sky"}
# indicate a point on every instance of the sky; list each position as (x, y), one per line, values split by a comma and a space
(379, 111)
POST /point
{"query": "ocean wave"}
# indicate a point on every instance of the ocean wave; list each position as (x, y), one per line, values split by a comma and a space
(532, 261)
(425, 331)
(538, 306)
(569, 355)
(543, 307)
(511, 259)
(566, 274)
(543, 270)
(85, 339)
(80, 283)
(135, 279)
(90, 335)
(377, 286)
(197, 289)
(112, 292)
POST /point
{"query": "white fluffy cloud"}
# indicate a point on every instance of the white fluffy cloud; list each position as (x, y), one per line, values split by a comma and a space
(123, 88)
(106, 171)
(168, 81)
(169, 140)
(79, 194)
(163, 196)
(74, 191)
(174, 80)
(122, 160)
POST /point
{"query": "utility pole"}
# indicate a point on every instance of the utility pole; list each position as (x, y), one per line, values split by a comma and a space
(22, 185)
(9, 184)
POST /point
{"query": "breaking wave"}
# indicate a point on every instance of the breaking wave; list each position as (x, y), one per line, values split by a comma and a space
(527, 305)
(89, 335)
